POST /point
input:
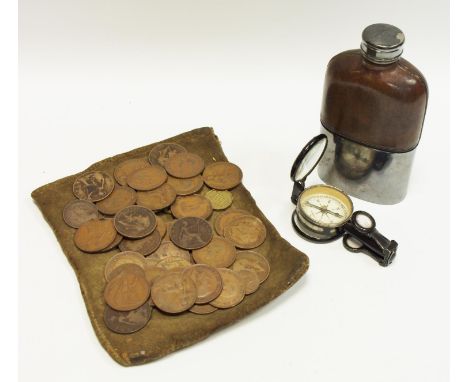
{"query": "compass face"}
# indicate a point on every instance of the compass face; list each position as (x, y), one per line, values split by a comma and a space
(325, 206)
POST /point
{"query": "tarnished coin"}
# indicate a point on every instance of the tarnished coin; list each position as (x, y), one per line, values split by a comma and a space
(124, 169)
(184, 165)
(145, 246)
(158, 199)
(120, 198)
(186, 186)
(250, 279)
(121, 258)
(152, 271)
(114, 244)
(191, 233)
(226, 217)
(93, 186)
(173, 263)
(233, 290)
(222, 175)
(147, 178)
(246, 232)
(252, 261)
(219, 253)
(161, 226)
(207, 280)
(95, 235)
(77, 212)
(127, 322)
(125, 268)
(169, 249)
(126, 291)
(192, 206)
(220, 200)
(203, 309)
(135, 222)
(173, 292)
(161, 152)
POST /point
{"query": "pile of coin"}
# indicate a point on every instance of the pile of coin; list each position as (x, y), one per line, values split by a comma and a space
(156, 211)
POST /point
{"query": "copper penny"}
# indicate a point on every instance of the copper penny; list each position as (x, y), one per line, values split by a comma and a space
(126, 291)
(233, 290)
(203, 309)
(226, 217)
(184, 165)
(135, 222)
(220, 200)
(250, 279)
(121, 258)
(192, 206)
(158, 199)
(246, 232)
(127, 322)
(148, 178)
(173, 292)
(120, 198)
(93, 186)
(219, 253)
(114, 244)
(172, 263)
(95, 235)
(222, 175)
(186, 186)
(125, 268)
(252, 261)
(77, 212)
(152, 271)
(161, 226)
(161, 152)
(191, 233)
(145, 246)
(124, 169)
(207, 280)
(168, 249)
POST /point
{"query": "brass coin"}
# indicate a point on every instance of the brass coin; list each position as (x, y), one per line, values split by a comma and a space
(127, 322)
(120, 198)
(173, 263)
(226, 217)
(191, 233)
(77, 212)
(160, 153)
(203, 309)
(222, 175)
(148, 178)
(161, 226)
(95, 235)
(135, 222)
(250, 279)
(125, 268)
(233, 290)
(184, 165)
(207, 280)
(185, 186)
(192, 206)
(219, 253)
(124, 169)
(173, 293)
(168, 249)
(220, 200)
(252, 261)
(121, 258)
(246, 232)
(144, 246)
(114, 244)
(158, 199)
(126, 291)
(93, 186)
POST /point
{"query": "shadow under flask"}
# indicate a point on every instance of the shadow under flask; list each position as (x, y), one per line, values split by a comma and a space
(373, 109)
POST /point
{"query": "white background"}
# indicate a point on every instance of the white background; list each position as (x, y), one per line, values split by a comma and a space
(100, 78)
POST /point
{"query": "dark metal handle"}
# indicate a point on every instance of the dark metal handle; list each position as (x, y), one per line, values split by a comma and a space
(297, 190)
(362, 236)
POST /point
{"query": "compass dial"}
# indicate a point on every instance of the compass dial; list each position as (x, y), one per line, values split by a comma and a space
(325, 206)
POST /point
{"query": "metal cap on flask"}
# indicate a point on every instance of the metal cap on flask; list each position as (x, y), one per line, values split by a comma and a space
(382, 43)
